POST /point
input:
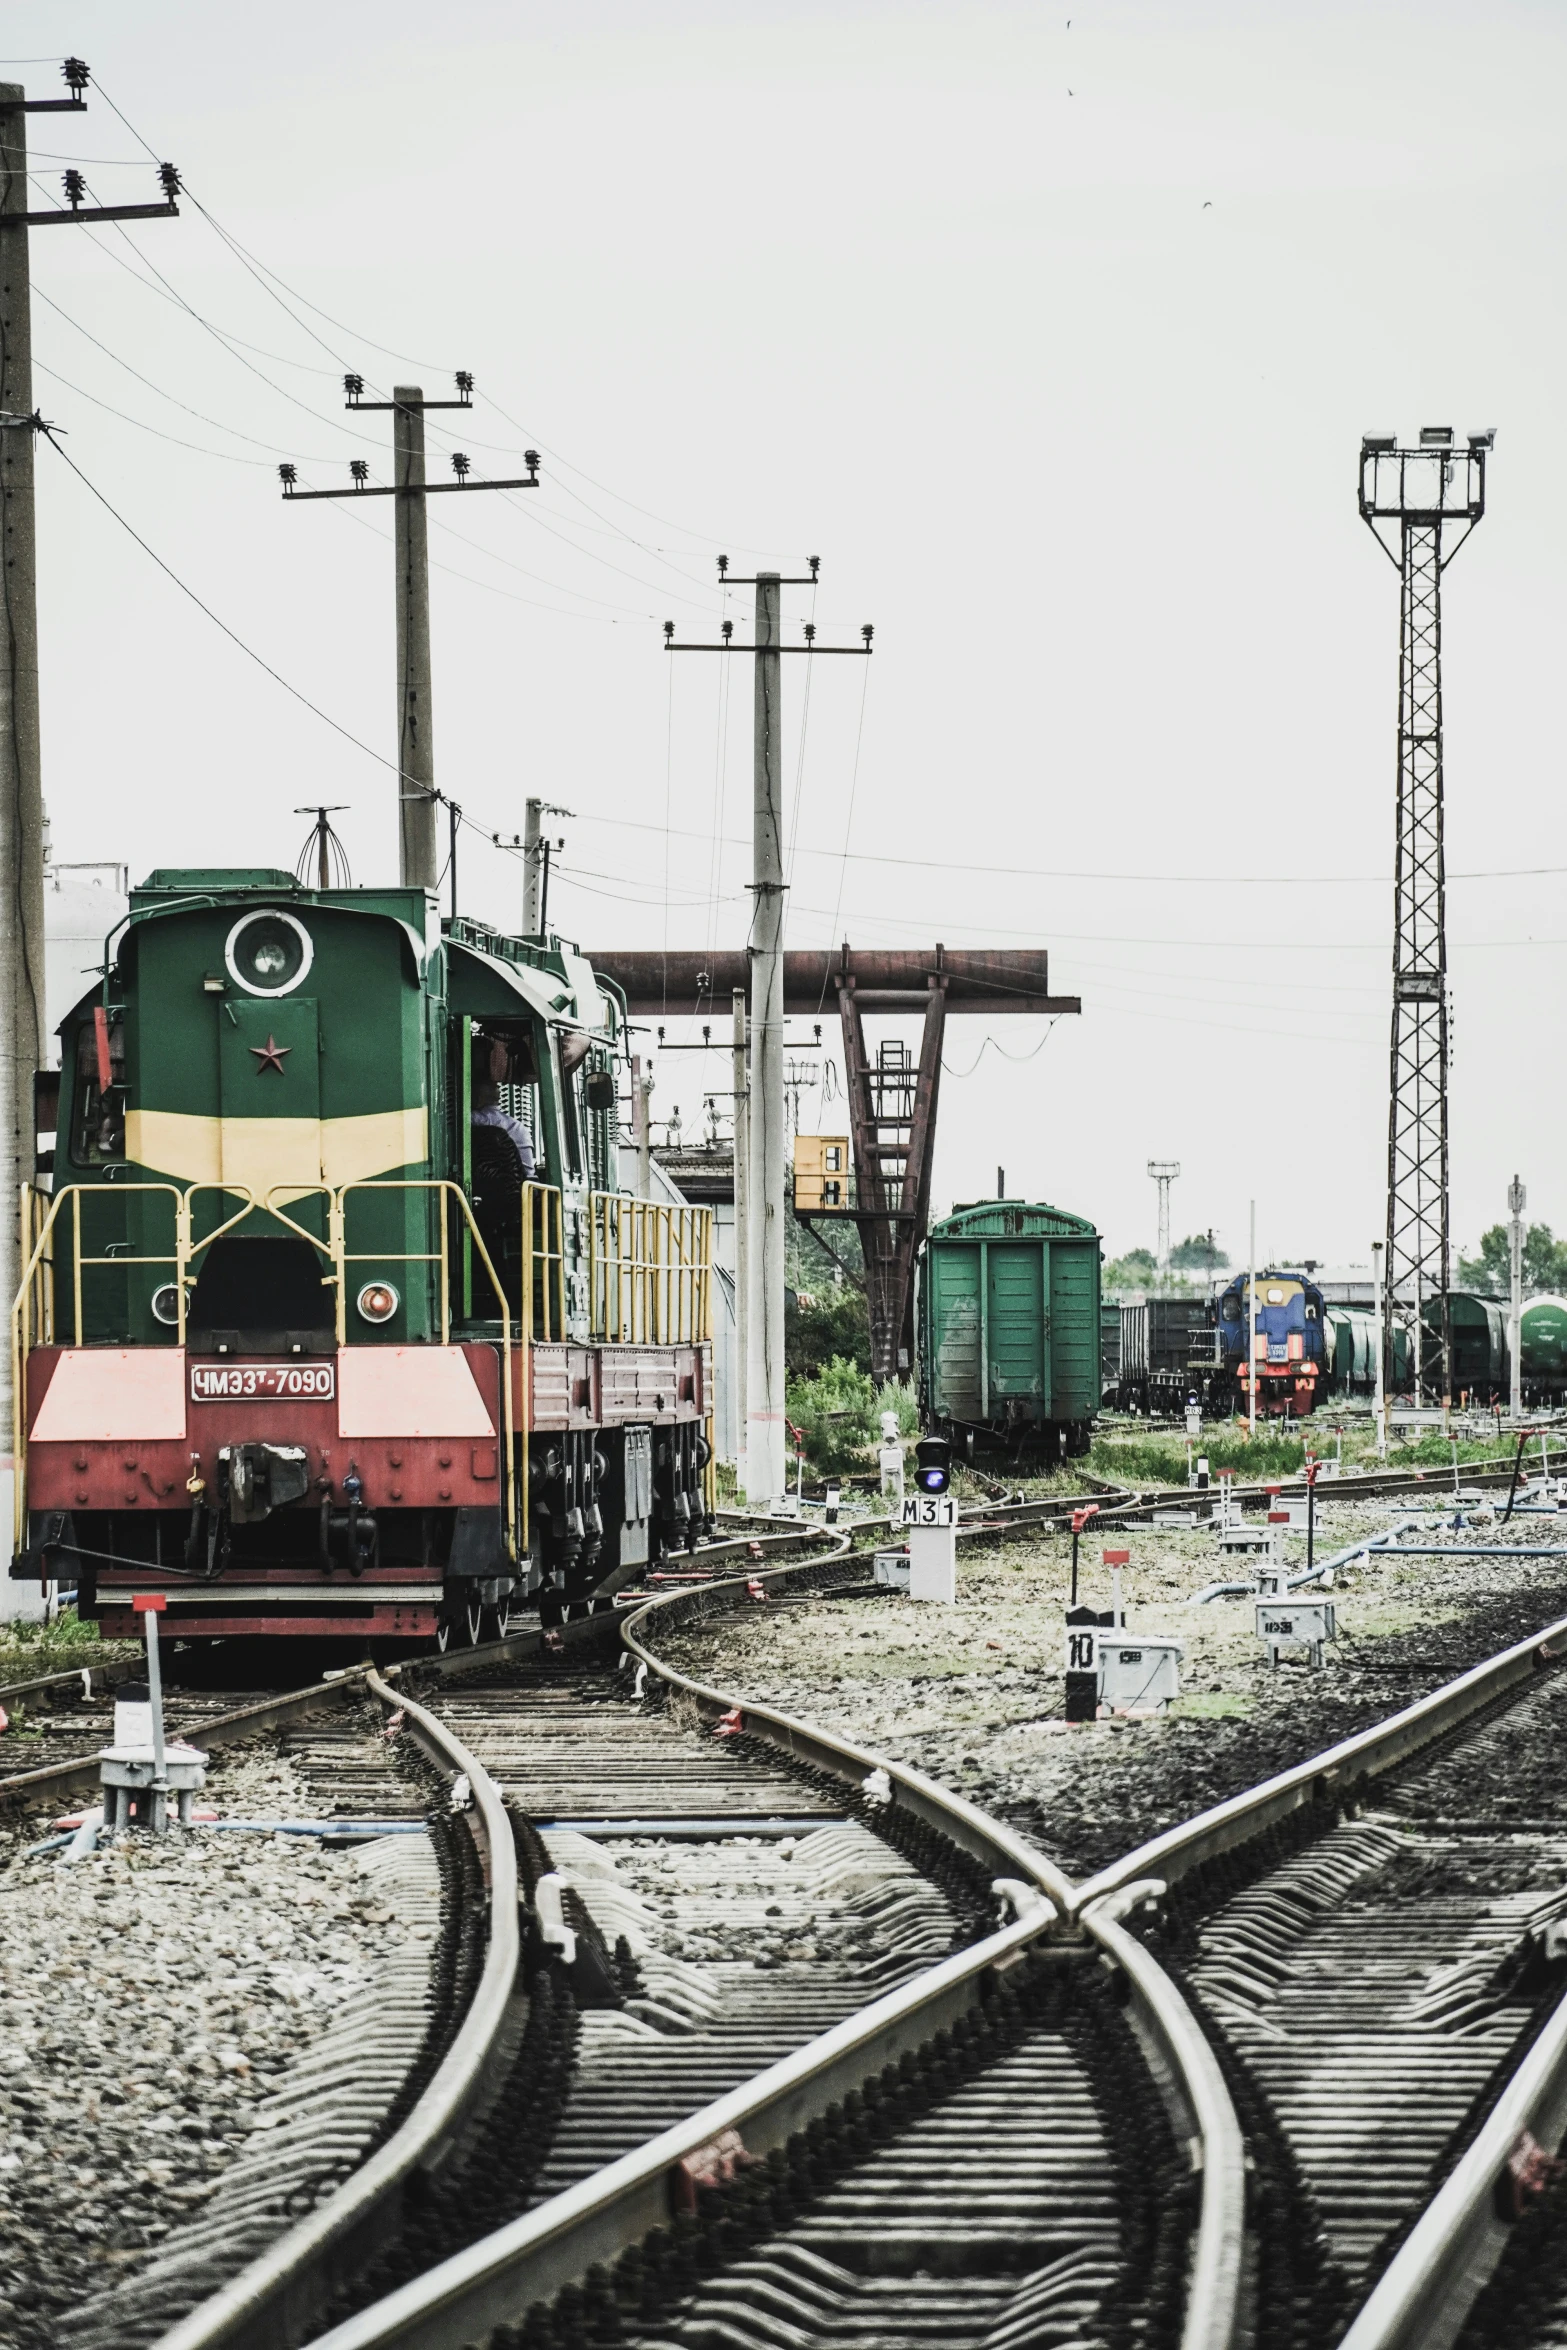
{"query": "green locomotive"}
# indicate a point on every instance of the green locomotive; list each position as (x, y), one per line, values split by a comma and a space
(335, 1319)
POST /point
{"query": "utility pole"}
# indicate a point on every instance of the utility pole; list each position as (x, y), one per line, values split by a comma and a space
(1517, 1199)
(1164, 1172)
(1383, 1354)
(766, 1476)
(1421, 504)
(23, 1021)
(417, 796)
(742, 1101)
(1251, 1325)
(765, 1472)
(536, 866)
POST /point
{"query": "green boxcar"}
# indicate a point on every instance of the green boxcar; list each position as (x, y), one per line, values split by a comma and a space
(1010, 1327)
(1543, 1349)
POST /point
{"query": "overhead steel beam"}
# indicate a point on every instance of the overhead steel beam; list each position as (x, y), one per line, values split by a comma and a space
(691, 984)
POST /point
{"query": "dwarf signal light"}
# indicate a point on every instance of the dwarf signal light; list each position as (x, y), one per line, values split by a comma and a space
(377, 1301)
(933, 1464)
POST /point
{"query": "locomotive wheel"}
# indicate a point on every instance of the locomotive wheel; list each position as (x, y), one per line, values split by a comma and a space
(500, 1619)
(443, 1633)
(473, 1622)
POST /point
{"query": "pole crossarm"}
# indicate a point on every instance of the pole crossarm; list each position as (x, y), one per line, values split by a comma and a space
(418, 489)
(86, 212)
(728, 648)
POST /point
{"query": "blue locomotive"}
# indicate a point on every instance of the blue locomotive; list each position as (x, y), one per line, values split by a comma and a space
(1292, 1363)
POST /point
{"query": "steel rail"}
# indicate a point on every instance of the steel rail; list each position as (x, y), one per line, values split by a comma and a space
(1214, 2285)
(1366, 1755)
(533, 2256)
(985, 1839)
(492, 2281)
(1424, 2295)
(284, 2289)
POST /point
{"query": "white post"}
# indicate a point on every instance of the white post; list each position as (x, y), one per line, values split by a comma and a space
(1251, 1321)
(764, 1470)
(742, 1124)
(1380, 1406)
(1516, 1198)
(160, 1769)
(532, 870)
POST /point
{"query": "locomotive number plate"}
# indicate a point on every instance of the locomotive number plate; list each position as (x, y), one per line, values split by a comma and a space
(238, 1382)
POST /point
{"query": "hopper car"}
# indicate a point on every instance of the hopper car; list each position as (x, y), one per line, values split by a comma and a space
(1009, 1330)
(1166, 1355)
(335, 1320)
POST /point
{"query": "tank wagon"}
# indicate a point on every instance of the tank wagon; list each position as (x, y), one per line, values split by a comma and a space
(1167, 1354)
(305, 1342)
(1542, 1349)
(1009, 1329)
(1478, 1325)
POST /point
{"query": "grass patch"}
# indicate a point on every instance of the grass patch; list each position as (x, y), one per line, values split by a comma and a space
(27, 1651)
(1161, 1460)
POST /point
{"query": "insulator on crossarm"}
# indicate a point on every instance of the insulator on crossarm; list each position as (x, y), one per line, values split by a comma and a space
(464, 382)
(287, 475)
(726, 630)
(171, 180)
(354, 386)
(723, 566)
(461, 464)
(359, 471)
(815, 563)
(669, 632)
(530, 458)
(867, 632)
(810, 632)
(76, 75)
(75, 189)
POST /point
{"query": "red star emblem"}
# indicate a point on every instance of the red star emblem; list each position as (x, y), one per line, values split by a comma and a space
(270, 1055)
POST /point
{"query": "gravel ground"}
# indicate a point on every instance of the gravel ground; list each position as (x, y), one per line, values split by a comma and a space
(149, 1998)
(973, 1694)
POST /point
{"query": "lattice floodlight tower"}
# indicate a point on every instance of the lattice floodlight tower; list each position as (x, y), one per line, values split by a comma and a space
(1422, 503)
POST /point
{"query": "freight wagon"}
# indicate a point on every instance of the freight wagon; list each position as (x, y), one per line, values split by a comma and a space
(1167, 1354)
(1009, 1329)
(1477, 1326)
(334, 1318)
(1543, 1349)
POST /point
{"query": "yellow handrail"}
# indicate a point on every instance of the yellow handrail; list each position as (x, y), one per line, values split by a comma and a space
(392, 1257)
(543, 1262)
(649, 1271)
(22, 1320)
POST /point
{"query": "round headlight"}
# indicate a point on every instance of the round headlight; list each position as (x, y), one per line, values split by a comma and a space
(166, 1304)
(377, 1301)
(268, 953)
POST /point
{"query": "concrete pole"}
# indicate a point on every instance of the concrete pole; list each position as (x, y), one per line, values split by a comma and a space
(640, 1089)
(764, 1469)
(1380, 1406)
(419, 865)
(1517, 1197)
(742, 1235)
(533, 870)
(1251, 1323)
(22, 1014)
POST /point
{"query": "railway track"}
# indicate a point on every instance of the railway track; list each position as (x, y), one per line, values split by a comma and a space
(851, 2093)
(631, 2130)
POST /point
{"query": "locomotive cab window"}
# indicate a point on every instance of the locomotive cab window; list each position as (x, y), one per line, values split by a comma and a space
(98, 1094)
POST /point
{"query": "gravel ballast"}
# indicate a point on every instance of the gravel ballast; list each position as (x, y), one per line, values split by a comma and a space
(151, 1997)
(973, 1694)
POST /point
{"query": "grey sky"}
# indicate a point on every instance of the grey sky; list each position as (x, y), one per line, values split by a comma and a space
(1055, 344)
